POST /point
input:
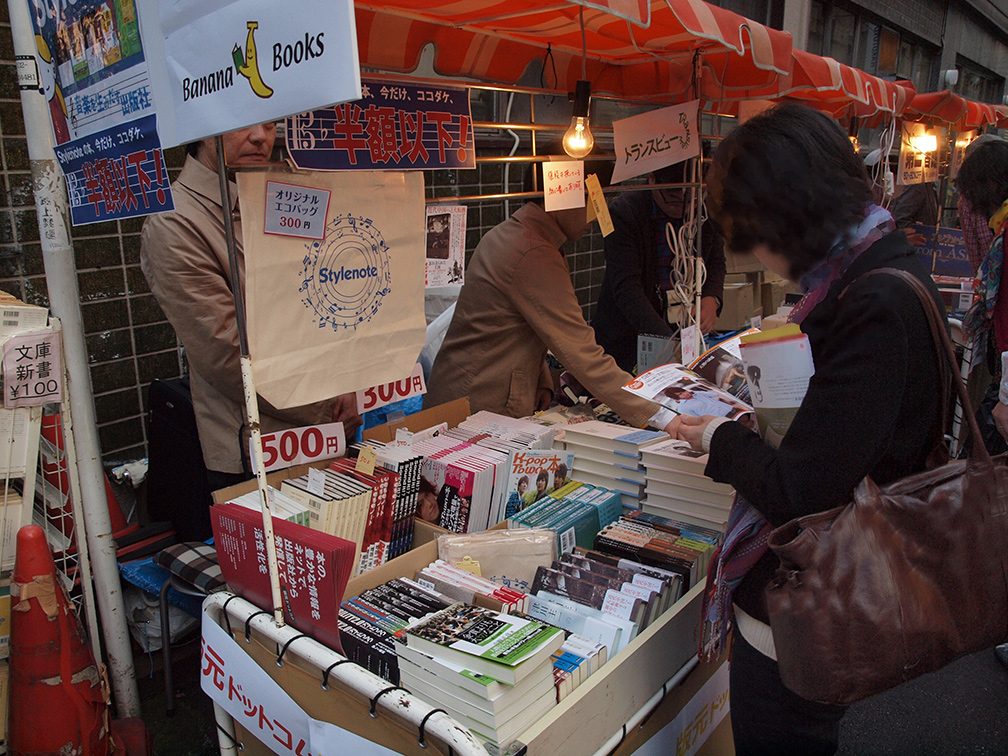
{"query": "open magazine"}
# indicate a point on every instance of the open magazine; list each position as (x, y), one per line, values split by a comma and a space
(681, 390)
(767, 372)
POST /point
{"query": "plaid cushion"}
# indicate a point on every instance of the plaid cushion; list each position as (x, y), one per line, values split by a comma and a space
(195, 562)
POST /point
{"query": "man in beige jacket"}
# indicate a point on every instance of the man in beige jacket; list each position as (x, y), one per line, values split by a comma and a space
(517, 302)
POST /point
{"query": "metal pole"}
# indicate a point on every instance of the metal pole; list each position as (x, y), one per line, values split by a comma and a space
(64, 298)
(248, 383)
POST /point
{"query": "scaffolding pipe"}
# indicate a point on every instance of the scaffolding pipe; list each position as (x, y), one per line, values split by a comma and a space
(52, 208)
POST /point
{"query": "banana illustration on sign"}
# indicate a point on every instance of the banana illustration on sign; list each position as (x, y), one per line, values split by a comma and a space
(248, 66)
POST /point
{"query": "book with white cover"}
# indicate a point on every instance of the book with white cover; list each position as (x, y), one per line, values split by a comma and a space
(673, 454)
(482, 686)
(677, 490)
(614, 437)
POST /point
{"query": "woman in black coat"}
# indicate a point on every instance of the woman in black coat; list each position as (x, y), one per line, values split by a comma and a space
(788, 187)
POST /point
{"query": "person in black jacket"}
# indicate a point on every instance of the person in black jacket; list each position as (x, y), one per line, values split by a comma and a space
(632, 300)
(787, 186)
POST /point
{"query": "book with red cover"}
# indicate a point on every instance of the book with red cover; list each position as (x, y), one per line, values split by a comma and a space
(378, 532)
(314, 568)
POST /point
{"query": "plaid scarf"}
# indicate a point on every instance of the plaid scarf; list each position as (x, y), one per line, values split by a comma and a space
(747, 530)
(976, 322)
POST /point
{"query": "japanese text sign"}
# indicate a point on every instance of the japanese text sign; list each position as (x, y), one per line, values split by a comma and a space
(293, 210)
(695, 722)
(916, 166)
(257, 702)
(563, 184)
(653, 140)
(117, 173)
(296, 446)
(221, 65)
(393, 126)
(32, 369)
(381, 396)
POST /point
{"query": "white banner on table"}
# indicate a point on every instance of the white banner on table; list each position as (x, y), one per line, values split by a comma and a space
(220, 65)
(652, 140)
(684, 735)
(257, 702)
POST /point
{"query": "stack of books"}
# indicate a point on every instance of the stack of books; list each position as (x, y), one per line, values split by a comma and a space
(671, 545)
(384, 485)
(462, 585)
(514, 652)
(609, 455)
(370, 623)
(281, 505)
(314, 568)
(575, 662)
(677, 488)
(575, 512)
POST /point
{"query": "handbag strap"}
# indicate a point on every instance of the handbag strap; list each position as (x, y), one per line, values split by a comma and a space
(938, 324)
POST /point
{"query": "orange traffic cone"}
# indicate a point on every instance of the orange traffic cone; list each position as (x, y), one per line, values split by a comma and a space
(58, 697)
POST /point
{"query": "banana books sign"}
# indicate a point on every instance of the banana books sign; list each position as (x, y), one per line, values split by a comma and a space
(216, 66)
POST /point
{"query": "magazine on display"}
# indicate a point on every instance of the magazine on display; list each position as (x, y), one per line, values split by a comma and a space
(683, 391)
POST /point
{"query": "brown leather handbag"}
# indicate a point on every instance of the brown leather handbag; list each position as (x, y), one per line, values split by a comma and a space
(901, 580)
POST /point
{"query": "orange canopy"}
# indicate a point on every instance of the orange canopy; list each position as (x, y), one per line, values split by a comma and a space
(961, 114)
(844, 91)
(644, 54)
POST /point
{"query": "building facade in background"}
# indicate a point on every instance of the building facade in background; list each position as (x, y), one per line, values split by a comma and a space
(130, 343)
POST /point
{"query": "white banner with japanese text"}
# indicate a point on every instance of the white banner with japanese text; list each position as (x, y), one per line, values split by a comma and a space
(652, 140)
(701, 715)
(220, 65)
(257, 702)
(345, 312)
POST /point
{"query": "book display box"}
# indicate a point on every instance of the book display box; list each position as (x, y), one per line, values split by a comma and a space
(659, 664)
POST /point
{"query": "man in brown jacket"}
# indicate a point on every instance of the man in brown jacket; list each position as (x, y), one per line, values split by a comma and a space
(518, 301)
(184, 257)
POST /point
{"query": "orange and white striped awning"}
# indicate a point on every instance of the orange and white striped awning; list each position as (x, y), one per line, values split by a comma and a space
(956, 111)
(844, 91)
(634, 50)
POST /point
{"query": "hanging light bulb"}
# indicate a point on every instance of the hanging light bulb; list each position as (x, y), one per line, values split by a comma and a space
(578, 140)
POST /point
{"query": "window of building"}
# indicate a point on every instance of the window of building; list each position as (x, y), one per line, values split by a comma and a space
(977, 83)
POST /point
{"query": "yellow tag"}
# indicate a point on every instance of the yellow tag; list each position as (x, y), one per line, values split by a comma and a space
(598, 204)
(470, 565)
(366, 460)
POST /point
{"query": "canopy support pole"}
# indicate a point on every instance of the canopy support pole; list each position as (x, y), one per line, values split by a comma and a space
(51, 206)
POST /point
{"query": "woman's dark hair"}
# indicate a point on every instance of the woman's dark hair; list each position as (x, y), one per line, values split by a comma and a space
(192, 149)
(788, 178)
(983, 177)
(426, 486)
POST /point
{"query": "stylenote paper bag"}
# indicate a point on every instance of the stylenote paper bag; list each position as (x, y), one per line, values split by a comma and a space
(335, 280)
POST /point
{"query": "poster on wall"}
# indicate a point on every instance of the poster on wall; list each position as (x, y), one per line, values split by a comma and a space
(393, 126)
(340, 313)
(445, 262)
(93, 72)
(221, 65)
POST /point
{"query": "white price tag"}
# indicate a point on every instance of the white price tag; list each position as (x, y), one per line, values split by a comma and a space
(294, 210)
(316, 481)
(299, 445)
(381, 396)
(689, 344)
(756, 322)
(618, 604)
(32, 369)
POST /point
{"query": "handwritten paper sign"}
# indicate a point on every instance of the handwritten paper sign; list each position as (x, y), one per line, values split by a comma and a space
(293, 210)
(652, 140)
(32, 369)
(563, 184)
(599, 210)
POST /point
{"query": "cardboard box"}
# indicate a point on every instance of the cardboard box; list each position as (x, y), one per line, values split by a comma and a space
(744, 262)
(452, 413)
(737, 307)
(772, 295)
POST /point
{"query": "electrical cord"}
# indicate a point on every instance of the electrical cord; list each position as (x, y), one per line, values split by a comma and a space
(685, 264)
